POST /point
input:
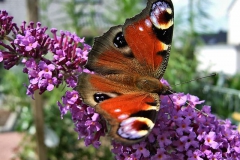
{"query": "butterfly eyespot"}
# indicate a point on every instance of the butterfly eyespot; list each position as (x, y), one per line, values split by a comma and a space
(99, 97)
(162, 15)
(119, 40)
(135, 128)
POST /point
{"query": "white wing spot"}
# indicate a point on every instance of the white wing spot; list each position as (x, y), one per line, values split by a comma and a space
(117, 110)
(141, 29)
(148, 23)
(123, 116)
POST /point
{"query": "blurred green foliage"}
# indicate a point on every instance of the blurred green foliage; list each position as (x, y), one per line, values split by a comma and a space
(232, 81)
(12, 88)
(221, 92)
(117, 11)
(186, 37)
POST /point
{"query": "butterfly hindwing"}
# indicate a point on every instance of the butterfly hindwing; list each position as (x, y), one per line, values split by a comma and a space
(131, 116)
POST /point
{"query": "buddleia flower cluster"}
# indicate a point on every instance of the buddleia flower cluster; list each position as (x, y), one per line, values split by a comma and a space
(180, 132)
(29, 45)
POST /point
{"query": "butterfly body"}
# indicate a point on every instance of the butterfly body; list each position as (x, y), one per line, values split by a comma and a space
(128, 61)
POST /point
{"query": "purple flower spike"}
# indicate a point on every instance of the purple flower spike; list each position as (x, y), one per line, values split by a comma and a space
(184, 133)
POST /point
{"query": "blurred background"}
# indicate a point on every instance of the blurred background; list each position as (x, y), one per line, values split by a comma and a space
(206, 40)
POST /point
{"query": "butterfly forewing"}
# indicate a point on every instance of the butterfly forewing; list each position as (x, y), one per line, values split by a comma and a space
(149, 35)
(127, 62)
(105, 58)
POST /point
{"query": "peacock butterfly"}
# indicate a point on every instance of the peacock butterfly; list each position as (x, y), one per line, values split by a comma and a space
(128, 61)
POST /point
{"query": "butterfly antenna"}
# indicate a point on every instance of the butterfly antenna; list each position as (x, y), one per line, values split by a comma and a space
(187, 103)
(196, 79)
(170, 99)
